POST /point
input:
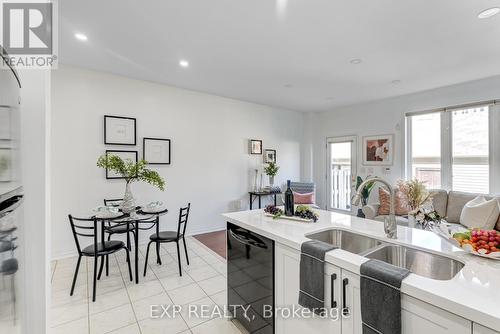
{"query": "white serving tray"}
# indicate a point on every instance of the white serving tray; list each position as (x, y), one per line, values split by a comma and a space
(293, 218)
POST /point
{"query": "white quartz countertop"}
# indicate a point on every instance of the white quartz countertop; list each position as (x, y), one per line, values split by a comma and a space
(474, 293)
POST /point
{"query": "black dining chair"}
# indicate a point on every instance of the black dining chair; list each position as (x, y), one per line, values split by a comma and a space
(110, 228)
(170, 236)
(87, 228)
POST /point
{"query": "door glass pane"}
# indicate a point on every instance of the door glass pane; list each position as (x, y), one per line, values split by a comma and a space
(426, 149)
(340, 175)
(470, 150)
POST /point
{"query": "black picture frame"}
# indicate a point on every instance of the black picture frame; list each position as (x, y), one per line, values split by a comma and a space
(251, 146)
(266, 160)
(108, 177)
(145, 150)
(109, 142)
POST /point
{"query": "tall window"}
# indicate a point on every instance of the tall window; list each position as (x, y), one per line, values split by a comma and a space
(450, 149)
(426, 149)
(470, 158)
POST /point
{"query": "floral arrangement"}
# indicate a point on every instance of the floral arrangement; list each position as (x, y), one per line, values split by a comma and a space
(416, 194)
(427, 217)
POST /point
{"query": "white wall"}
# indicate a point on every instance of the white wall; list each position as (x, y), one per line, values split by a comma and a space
(211, 167)
(382, 117)
(35, 130)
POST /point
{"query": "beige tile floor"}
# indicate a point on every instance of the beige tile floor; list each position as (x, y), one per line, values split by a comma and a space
(123, 307)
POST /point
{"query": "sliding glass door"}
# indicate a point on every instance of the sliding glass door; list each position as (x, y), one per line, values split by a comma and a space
(341, 169)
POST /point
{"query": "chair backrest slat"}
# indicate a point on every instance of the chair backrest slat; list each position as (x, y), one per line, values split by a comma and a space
(183, 219)
(92, 225)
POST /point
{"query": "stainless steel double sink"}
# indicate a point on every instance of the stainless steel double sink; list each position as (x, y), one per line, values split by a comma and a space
(419, 262)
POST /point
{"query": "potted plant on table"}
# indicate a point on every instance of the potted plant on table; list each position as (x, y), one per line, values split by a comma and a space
(271, 170)
(364, 194)
(131, 172)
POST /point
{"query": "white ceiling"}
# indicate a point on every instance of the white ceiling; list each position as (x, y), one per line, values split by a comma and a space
(254, 50)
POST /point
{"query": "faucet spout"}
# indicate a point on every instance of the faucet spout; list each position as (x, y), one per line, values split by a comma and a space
(390, 226)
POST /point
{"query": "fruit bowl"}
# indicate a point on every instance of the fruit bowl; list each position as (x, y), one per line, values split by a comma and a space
(484, 243)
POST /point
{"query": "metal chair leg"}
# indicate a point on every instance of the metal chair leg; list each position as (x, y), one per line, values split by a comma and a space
(147, 255)
(107, 265)
(158, 259)
(185, 250)
(76, 275)
(128, 241)
(129, 266)
(179, 257)
(95, 279)
(100, 269)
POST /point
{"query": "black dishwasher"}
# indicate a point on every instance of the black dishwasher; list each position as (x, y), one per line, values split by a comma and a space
(250, 279)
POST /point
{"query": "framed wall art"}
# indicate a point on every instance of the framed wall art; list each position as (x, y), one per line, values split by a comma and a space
(378, 150)
(255, 146)
(120, 130)
(125, 155)
(156, 151)
(269, 156)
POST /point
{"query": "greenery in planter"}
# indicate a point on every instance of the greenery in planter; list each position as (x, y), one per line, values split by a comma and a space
(271, 169)
(366, 191)
(131, 171)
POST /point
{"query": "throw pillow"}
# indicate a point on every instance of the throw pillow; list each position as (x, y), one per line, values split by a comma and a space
(400, 203)
(303, 198)
(480, 213)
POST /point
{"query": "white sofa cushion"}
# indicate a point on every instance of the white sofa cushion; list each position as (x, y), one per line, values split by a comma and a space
(480, 213)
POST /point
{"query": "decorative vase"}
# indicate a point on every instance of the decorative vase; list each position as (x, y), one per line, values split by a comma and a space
(360, 213)
(128, 204)
(271, 180)
(255, 187)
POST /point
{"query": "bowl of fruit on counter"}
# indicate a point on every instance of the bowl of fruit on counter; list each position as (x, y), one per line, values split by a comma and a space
(485, 243)
(302, 213)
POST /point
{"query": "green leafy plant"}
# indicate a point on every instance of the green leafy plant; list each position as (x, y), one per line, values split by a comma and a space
(271, 169)
(366, 191)
(131, 171)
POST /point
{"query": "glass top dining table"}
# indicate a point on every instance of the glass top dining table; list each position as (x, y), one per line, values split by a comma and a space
(136, 221)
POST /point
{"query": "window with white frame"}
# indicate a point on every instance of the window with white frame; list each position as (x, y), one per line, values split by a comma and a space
(450, 149)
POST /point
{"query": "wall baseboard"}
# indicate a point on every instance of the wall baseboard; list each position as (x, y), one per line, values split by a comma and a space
(66, 255)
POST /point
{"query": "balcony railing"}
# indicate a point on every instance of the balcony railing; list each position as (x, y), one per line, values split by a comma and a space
(341, 187)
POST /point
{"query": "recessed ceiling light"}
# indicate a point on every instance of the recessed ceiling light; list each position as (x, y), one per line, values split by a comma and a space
(356, 61)
(395, 82)
(489, 12)
(80, 36)
(184, 63)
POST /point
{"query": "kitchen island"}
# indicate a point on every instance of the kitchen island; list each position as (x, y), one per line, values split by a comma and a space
(466, 302)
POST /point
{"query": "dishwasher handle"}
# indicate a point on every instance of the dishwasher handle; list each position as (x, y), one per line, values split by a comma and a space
(247, 239)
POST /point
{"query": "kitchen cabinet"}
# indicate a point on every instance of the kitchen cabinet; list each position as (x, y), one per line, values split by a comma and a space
(478, 329)
(351, 305)
(416, 316)
(287, 295)
(420, 317)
